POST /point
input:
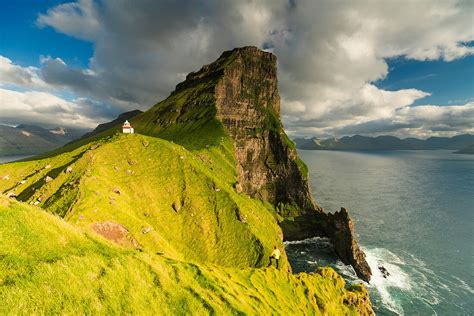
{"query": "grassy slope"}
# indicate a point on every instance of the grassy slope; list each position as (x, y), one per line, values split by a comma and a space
(50, 266)
(213, 223)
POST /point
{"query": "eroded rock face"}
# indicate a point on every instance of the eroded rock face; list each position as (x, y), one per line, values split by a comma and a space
(338, 227)
(341, 231)
(248, 105)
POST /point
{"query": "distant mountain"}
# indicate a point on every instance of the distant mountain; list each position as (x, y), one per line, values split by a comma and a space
(359, 142)
(32, 139)
(466, 150)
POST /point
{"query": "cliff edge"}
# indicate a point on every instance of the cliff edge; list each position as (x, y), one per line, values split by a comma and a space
(237, 96)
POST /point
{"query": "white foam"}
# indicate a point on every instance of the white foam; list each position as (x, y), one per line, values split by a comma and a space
(313, 240)
(464, 285)
(397, 279)
(347, 271)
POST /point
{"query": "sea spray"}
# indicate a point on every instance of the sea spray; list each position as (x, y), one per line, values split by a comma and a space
(397, 279)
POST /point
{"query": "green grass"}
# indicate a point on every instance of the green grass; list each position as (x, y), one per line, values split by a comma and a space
(214, 224)
(49, 266)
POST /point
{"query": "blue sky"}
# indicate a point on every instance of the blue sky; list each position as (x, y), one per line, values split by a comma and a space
(23, 41)
(82, 62)
(448, 82)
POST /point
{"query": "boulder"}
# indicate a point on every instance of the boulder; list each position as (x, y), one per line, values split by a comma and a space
(11, 195)
(176, 206)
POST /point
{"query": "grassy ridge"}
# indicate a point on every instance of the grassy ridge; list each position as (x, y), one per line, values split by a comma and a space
(185, 199)
(49, 266)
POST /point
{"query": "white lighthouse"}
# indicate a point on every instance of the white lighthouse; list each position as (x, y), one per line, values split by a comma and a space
(127, 128)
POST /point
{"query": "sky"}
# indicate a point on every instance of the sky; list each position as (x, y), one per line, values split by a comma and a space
(403, 68)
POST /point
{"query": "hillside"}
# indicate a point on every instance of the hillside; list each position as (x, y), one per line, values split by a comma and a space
(195, 197)
(54, 267)
(359, 142)
(31, 139)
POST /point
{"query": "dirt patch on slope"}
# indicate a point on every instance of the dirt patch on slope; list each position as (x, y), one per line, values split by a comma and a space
(116, 233)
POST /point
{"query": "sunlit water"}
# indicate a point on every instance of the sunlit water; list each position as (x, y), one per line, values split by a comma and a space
(413, 213)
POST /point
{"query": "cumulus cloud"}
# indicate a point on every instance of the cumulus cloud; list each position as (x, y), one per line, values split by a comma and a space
(17, 75)
(34, 106)
(329, 52)
(27, 98)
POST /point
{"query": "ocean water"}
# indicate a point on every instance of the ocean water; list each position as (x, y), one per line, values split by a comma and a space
(5, 159)
(413, 213)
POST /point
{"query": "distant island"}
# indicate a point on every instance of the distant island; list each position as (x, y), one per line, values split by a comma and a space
(466, 150)
(463, 144)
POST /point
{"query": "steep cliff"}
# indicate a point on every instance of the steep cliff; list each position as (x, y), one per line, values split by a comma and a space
(237, 97)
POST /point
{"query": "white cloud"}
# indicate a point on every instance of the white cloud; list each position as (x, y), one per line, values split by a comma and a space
(329, 52)
(17, 75)
(26, 97)
(49, 109)
(81, 19)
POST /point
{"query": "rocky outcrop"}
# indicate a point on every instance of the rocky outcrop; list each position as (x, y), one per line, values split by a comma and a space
(341, 232)
(244, 88)
(338, 227)
(248, 104)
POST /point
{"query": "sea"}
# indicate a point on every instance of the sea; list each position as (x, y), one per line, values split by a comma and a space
(5, 159)
(413, 213)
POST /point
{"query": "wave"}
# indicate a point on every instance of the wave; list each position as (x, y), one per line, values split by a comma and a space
(412, 281)
(398, 278)
(411, 287)
(312, 240)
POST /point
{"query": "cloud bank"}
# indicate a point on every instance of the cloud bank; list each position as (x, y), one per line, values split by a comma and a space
(330, 53)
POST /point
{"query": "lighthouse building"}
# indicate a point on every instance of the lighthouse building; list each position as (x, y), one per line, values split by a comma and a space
(127, 128)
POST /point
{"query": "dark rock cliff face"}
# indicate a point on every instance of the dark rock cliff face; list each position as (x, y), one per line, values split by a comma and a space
(341, 231)
(240, 90)
(248, 104)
